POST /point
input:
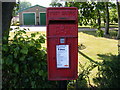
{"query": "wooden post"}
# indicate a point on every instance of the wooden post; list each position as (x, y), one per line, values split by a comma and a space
(63, 85)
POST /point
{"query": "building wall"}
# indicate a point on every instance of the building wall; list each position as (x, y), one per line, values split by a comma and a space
(36, 10)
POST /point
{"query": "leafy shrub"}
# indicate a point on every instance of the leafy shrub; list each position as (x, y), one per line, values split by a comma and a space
(113, 34)
(99, 33)
(24, 62)
(108, 75)
(83, 80)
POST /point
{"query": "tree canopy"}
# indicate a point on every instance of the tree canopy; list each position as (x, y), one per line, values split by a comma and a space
(24, 5)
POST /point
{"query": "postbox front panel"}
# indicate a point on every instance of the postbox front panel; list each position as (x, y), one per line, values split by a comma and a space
(62, 47)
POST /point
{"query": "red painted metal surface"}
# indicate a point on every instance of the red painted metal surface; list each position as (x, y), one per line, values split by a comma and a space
(62, 23)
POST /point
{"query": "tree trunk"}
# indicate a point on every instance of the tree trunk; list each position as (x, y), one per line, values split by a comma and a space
(107, 20)
(66, 4)
(118, 10)
(104, 21)
(7, 9)
(99, 20)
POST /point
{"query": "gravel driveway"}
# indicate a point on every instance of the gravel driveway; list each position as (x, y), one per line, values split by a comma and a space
(31, 28)
(43, 28)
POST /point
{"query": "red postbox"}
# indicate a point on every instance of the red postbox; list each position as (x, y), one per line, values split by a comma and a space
(62, 43)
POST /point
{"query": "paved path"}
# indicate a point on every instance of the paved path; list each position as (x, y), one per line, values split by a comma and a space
(43, 28)
(86, 29)
(92, 29)
(35, 28)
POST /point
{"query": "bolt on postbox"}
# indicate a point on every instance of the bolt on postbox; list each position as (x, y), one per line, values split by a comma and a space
(62, 43)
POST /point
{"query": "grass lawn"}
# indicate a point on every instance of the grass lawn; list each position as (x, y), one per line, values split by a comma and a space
(93, 47)
(97, 45)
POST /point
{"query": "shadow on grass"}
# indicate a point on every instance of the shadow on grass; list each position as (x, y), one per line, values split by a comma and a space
(108, 75)
(89, 58)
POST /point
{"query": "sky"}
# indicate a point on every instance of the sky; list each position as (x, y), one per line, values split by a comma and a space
(44, 3)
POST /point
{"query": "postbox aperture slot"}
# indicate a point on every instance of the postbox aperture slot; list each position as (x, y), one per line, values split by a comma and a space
(62, 22)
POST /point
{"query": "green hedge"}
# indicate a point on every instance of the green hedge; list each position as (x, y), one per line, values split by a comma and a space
(24, 62)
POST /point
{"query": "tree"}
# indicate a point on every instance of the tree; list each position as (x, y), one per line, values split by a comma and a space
(118, 10)
(24, 5)
(107, 20)
(86, 12)
(89, 12)
(100, 7)
(113, 15)
(55, 3)
(7, 10)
